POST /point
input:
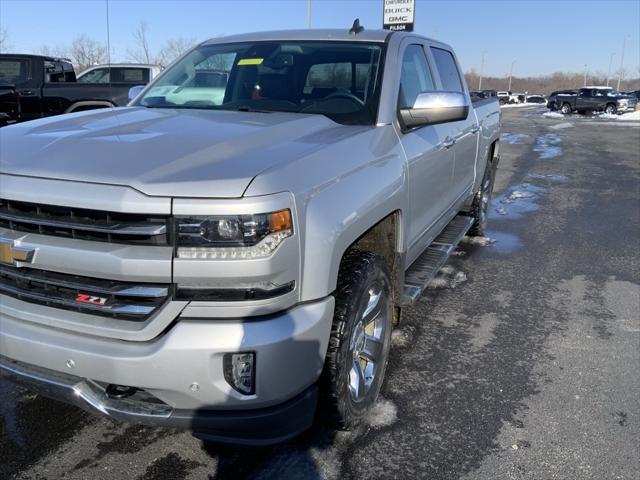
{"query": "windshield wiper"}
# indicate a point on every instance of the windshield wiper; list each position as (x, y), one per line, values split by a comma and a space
(245, 108)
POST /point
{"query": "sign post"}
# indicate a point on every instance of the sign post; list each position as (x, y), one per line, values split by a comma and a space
(399, 15)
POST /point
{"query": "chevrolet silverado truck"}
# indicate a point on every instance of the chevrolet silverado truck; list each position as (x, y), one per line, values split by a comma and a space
(596, 99)
(225, 263)
(33, 86)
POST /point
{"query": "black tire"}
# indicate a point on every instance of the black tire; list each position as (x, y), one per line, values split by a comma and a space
(611, 109)
(482, 202)
(361, 273)
(565, 109)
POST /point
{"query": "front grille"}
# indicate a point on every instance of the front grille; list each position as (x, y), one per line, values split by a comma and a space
(124, 300)
(84, 224)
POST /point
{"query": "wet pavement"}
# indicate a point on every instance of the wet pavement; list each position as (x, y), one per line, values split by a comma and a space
(521, 360)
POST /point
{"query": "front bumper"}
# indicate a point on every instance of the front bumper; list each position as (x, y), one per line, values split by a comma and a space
(179, 376)
(246, 427)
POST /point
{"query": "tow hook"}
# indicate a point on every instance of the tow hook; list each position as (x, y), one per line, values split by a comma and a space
(120, 391)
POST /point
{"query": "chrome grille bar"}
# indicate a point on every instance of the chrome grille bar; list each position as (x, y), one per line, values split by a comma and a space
(151, 229)
(84, 224)
(113, 299)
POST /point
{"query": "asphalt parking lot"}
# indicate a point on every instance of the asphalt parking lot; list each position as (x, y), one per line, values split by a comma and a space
(521, 362)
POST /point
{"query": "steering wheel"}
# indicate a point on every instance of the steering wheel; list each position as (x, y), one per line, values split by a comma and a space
(345, 94)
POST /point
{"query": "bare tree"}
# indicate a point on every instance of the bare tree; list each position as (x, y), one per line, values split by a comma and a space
(174, 48)
(4, 40)
(56, 51)
(141, 53)
(86, 52)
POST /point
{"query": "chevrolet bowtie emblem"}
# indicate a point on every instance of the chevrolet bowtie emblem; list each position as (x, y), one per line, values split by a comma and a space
(10, 254)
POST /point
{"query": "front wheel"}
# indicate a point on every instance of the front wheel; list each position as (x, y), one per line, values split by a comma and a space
(360, 338)
(566, 109)
(611, 109)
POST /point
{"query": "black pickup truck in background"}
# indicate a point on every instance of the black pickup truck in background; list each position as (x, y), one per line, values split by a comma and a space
(34, 86)
(595, 99)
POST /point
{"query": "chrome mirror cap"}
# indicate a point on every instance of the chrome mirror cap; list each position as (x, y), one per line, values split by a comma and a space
(431, 108)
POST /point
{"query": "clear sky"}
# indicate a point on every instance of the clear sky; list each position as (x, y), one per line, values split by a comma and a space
(542, 36)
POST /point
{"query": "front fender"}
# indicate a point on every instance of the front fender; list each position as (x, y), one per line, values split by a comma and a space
(337, 216)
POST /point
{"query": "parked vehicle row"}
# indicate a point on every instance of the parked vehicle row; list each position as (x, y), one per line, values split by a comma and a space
(33, 86)
(592, 99)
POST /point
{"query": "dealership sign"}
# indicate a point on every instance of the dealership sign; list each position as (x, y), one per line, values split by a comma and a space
(399, 15)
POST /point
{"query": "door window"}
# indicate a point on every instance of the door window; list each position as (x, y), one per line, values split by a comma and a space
(447, 69)
(415, 77)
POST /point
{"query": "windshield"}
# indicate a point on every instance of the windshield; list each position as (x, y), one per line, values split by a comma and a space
(338, 79)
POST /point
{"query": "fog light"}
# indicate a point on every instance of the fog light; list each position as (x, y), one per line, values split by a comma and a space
(240, 371)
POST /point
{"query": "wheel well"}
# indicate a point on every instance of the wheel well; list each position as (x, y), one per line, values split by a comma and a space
(383, 240)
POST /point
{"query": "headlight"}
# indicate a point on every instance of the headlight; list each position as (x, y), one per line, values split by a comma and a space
(232, 236)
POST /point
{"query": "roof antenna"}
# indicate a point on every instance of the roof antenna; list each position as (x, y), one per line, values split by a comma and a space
(356, 28)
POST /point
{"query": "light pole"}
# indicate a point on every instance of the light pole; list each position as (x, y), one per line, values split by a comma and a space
(610, 60)
(308, 13)
(585, 75)
(510, 75)
(481, 70)
(624, 44)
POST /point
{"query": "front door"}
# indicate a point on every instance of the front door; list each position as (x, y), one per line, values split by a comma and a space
(430, 158)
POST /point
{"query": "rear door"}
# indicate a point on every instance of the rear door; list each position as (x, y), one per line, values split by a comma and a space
(430, 162)
(465, 132)
(22, 75)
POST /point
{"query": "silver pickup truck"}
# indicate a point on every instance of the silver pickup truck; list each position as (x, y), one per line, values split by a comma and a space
(221, 258)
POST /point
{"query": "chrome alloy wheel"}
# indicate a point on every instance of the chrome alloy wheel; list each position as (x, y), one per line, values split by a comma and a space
(366, 344)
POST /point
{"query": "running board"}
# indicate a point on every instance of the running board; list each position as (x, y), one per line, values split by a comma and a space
(424, 269)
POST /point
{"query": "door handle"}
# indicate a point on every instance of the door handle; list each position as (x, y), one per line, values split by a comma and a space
(449, 142)
(475, 129)
(26, 93)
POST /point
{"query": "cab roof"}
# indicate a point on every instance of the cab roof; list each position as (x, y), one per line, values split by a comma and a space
(310, 35)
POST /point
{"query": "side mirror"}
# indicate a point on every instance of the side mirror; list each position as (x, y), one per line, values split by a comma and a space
(135, 91)
(431, 108)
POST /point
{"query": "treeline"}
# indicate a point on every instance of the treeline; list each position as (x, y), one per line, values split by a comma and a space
(85, 51)
(546, 84)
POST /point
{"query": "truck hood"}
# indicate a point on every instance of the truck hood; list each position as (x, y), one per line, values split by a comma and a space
(164, 152)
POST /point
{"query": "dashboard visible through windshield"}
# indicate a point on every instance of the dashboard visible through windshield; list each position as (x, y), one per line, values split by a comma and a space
(340, 80)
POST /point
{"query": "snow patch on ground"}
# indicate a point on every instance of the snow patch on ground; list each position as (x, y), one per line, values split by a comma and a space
(548, 176)
(481, 241)
(553, 115)
(547, 146)
(383, 413)
(631, 116)
(448, 277)
(561, 126)
(401, 337)
(520, 200)
(512, 138)
(520, 105)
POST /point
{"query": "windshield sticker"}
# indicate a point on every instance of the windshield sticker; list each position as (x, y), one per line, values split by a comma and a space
(250, 61)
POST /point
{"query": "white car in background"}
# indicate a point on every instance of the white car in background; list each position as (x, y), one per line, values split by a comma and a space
(133, 73)
(503, 97)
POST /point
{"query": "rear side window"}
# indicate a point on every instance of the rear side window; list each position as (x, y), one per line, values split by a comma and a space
(446, 65)
(415, 77)
(129, 75)
(14, 71)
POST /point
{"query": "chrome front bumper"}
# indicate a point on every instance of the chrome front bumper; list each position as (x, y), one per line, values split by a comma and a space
(248, 427)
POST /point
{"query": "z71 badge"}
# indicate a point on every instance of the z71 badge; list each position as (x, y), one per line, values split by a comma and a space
(93, 300)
